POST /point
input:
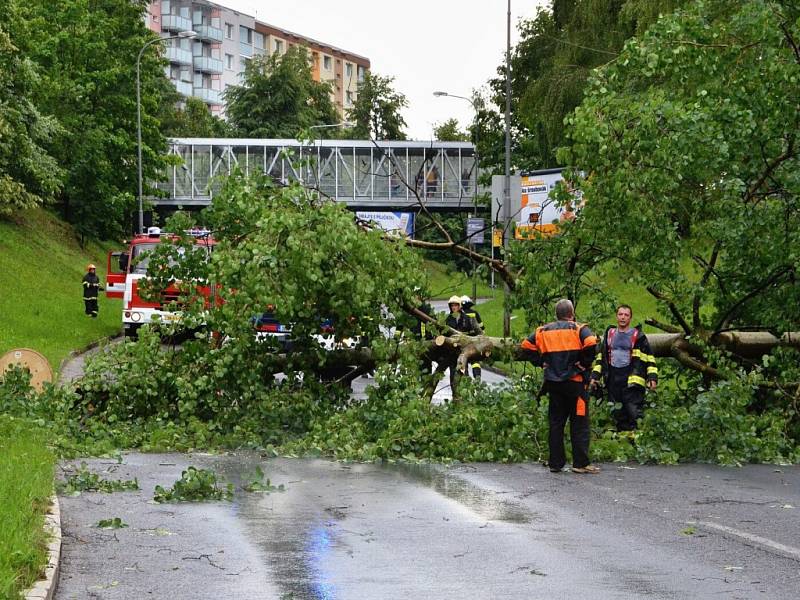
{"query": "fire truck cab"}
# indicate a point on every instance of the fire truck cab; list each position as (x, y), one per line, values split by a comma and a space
(125, 271)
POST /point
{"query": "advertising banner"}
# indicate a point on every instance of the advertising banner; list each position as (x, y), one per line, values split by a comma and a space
(539, 212)
(398, 222)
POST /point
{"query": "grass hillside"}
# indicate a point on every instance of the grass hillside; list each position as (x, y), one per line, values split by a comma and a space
(41, 297)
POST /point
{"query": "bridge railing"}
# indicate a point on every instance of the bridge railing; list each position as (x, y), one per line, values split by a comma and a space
(358, 172)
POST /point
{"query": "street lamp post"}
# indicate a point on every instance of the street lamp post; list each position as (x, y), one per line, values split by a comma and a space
(474, 104)
(507, 191)
(182, 34)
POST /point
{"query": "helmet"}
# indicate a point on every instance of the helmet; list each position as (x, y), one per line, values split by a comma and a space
(90, 266)
(466, 300)
(454, 300)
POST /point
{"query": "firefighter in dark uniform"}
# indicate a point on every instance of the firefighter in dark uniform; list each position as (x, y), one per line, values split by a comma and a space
(463, 323)
(91, 286)
(627, 366)
(565, 349)
(468, 307)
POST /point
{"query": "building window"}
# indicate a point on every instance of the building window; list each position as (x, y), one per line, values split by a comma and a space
(229, 31)
(326, 62)
(229, 62)
(279, 46)
(349, 98)
(165, 7)
(258, 40)
(348, 70)
(245, 35)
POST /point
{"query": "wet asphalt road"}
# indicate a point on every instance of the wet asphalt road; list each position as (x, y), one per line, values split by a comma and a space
(367, 531)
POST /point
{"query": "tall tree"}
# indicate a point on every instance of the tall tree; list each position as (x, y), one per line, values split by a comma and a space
(86, 53)
(550, 64)
(377, 109)
(279, 98)
(28, 174)
(692, 135)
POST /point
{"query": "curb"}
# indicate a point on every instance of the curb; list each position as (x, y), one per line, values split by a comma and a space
(91, 345)
(496, 370)
(45, 589)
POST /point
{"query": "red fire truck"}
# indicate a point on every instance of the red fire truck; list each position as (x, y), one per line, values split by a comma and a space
(125, 271)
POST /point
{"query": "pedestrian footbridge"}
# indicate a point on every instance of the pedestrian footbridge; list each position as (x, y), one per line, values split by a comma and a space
(362, 173)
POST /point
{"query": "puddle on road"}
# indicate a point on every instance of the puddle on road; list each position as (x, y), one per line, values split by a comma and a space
(297, 530)
(483, 502)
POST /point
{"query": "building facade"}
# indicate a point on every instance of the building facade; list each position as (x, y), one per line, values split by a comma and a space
(203, 66)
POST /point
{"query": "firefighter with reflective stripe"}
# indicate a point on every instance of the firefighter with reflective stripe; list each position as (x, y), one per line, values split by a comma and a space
(459, 320)
(468, 307)
(91, 286)
(565, 349)
(626, 364)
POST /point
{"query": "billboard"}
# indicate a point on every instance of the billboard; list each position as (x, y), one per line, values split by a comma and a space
(538, 211)
(398, 222)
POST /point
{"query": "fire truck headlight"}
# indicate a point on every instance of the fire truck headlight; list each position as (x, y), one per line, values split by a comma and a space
(136, 317)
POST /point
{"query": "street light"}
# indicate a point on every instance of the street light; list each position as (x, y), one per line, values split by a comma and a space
(507, 192)
(474, 103)
(342, 124)
(182, 34)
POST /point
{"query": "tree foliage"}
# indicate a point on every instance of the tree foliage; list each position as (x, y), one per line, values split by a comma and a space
(278, 97)
(377, 111)
(691, 135)
(86, 52)
(448, 131)
(192, 119)
(550, 65)
(29, 176)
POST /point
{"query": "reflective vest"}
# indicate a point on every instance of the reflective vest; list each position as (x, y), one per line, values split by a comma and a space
(643, 364)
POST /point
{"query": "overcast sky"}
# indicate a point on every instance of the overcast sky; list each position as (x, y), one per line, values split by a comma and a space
(426, 45)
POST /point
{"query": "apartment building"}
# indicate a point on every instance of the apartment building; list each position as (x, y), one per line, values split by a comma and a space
(203, 66)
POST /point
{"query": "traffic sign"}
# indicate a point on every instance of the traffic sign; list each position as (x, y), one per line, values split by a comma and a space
(475, 229)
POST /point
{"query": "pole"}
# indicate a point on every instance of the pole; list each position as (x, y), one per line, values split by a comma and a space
(475, 195)
(507, 190)
(139, 133)
(186, 34)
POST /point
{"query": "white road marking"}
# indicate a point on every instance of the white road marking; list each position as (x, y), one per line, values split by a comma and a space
(756, 540)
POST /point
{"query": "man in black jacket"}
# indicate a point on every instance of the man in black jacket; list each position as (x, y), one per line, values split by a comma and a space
(91, 286)
(564, 349)
(627, 365)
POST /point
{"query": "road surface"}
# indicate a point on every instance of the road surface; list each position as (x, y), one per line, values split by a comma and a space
(367, 531)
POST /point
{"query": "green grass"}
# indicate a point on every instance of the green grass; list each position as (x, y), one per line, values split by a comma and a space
(26, 483)
(443, 283)
(41, 305)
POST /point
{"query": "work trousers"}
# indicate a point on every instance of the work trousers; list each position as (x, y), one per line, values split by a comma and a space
(90, 306)
(628, 399)
(568, 402)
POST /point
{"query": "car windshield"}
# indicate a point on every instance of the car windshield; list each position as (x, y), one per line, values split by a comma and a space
(140, 255)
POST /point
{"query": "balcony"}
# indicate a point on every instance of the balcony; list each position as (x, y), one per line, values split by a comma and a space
(245, 50)
(178, 56)
(184, 87)
(207, 33)
(175, 23)
(207, 95)
(208, 64)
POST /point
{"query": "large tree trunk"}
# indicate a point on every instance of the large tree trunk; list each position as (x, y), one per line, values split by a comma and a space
(745, 344)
